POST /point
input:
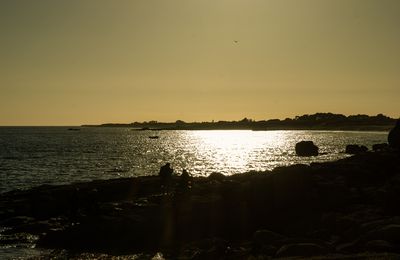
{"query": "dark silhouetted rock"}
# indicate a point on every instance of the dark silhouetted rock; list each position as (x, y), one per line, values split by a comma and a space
(394, 136)
(213, 248)
(356, 149)
(301, 249)
(306, 148)
(19, 220)
(349, 247)
(380, 246)
(380, 147)
(265, 237)
(390, 233)
(216, 176)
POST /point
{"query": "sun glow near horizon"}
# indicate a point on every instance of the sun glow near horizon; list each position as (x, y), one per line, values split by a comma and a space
(90, 62)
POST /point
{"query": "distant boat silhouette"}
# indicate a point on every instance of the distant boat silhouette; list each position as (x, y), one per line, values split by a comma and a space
(74, 129)
(154, 137)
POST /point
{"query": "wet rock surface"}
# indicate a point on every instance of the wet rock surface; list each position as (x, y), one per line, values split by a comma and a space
(344, 208)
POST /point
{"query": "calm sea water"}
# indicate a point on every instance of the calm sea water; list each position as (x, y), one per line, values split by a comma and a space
(31, 156)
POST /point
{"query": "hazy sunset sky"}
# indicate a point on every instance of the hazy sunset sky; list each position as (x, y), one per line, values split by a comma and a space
(77, 62)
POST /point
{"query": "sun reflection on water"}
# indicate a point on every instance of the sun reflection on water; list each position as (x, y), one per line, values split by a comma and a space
(235, 150)
(30, 158)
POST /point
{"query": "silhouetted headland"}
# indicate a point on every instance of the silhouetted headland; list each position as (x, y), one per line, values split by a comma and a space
(344, 208)
(318, 121)
(394, 136)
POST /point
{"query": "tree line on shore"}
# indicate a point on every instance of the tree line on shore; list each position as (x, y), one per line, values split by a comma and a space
(314, 121)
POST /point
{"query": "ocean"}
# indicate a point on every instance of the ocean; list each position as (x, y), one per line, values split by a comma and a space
(33, 156)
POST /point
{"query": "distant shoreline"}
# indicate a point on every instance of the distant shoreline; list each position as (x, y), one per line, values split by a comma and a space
(345, 128)
(318, 121)
(377, 128)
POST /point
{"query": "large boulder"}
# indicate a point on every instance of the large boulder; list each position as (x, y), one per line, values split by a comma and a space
(394, 136)
(356, 149)
(306, 148)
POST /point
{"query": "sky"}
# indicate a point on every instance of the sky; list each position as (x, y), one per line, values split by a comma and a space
(78, 62)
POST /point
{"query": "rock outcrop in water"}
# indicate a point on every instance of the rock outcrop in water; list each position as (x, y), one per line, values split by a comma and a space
(348, 207)
(306, 148)
(355, 149)
(380, 147)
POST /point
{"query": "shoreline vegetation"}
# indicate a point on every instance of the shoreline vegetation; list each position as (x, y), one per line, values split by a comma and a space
(318, 121)
(342, 209)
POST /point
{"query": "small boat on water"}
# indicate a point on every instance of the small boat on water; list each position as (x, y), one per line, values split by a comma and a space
(154, 137)
(74, 129)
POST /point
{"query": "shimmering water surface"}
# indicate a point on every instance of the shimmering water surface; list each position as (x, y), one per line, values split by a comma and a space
(31, 156)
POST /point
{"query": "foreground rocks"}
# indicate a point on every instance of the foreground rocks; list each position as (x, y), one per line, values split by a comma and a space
(344, 208)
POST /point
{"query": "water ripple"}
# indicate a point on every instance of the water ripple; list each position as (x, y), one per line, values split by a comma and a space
(35, 156)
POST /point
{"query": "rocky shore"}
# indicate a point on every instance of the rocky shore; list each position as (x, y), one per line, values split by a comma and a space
(344, 209)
